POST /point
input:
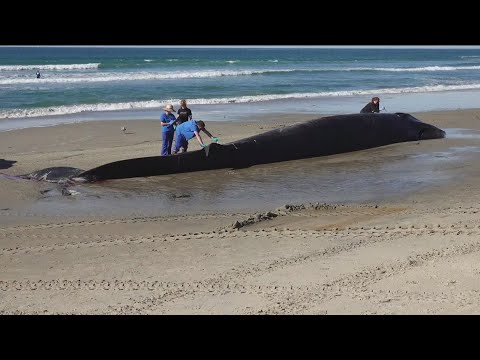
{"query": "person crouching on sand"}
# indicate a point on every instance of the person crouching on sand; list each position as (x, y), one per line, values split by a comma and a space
(167, 119)
(372, 107)
(186, 131)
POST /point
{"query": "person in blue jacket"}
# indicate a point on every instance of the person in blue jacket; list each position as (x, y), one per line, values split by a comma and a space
(186, 131)
(167, 120)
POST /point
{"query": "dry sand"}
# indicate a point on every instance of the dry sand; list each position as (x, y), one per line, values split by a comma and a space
(415, 255)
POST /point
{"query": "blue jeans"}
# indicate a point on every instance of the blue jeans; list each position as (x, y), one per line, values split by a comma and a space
(167, 141)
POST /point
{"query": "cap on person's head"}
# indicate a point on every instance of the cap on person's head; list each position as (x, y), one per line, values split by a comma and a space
(200, 123)
(169, 107)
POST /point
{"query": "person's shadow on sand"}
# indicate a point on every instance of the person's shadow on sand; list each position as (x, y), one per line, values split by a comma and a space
(5, 164)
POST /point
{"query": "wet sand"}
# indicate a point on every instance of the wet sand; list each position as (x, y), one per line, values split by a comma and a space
(390, 230)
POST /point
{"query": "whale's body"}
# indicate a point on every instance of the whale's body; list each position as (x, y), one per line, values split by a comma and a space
(318, 137)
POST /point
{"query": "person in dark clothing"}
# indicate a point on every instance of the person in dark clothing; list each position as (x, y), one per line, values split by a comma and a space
(372, 107)
(184, 113)
(38, 74)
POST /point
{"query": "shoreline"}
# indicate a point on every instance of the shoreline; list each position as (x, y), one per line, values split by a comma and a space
(313, 107)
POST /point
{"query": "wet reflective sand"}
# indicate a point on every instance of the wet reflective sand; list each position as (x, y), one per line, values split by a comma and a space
(378, 175)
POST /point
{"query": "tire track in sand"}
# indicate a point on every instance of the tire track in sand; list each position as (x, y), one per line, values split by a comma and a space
(302, 300)
(351, 232)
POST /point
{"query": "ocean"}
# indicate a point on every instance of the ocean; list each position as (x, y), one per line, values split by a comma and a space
(229, 83)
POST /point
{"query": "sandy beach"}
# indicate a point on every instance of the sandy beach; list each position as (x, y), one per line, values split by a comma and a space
(404, 240)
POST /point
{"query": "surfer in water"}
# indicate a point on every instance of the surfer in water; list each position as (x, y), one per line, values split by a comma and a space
(38, 74)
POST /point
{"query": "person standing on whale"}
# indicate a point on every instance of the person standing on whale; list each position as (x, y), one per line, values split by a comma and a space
(167, 119)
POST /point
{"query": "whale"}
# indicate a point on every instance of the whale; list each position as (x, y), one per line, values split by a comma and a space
(318, 137)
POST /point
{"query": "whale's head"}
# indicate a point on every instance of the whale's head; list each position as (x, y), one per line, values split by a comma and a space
(428, 131)
(420, 130)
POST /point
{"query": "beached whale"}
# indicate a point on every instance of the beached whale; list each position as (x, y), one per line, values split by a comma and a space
(324, 136)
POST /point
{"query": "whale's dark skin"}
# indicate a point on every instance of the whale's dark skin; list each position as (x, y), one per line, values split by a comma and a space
(319, 137)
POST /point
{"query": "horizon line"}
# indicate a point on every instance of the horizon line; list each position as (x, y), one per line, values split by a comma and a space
(261, 46)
